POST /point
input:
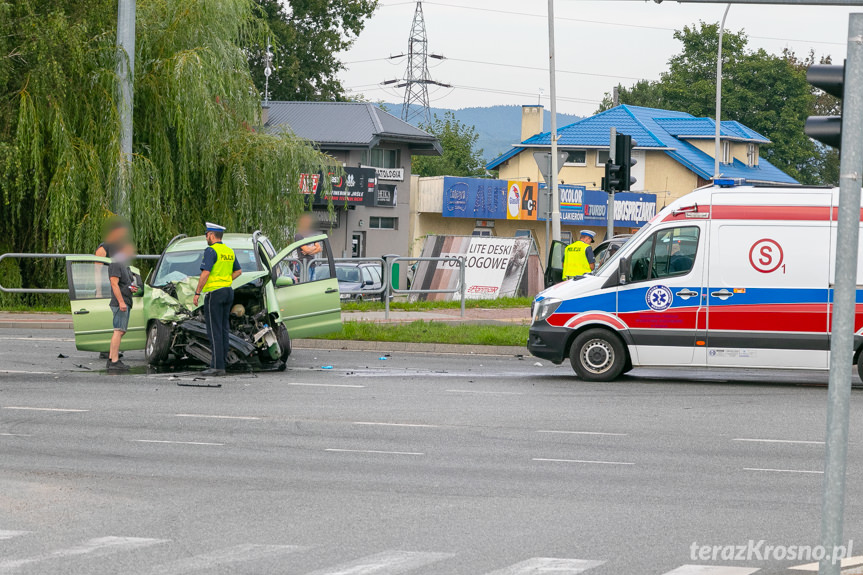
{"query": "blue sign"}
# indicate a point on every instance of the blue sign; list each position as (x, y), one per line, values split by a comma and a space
(474, 198)
(579, 205)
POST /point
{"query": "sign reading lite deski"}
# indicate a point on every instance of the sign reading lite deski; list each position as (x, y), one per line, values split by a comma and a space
(477, 198)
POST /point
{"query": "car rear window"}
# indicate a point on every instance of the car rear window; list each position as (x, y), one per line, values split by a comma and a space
(177, 266)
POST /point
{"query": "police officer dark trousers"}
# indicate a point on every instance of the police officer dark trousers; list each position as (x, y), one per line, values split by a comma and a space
(219, 268)
(217, 312)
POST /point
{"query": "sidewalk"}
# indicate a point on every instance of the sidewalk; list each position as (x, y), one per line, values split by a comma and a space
(41, 320)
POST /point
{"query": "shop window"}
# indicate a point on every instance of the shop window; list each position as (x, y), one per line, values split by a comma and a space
(482, 232)
(576, 157)
(381, 223)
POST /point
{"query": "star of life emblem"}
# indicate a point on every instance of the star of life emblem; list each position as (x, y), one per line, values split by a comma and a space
(659, 298)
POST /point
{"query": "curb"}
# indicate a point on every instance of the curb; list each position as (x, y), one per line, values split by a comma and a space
(36, 324)
(388, 346)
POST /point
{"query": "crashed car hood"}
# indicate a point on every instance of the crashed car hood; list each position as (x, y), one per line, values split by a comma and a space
(164, 307)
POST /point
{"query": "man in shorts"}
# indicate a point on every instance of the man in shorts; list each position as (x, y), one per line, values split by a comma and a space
(122, 287)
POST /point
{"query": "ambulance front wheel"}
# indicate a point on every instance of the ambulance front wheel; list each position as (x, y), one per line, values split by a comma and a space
(597, 355)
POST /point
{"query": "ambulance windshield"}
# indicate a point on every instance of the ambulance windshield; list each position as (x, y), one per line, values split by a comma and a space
(611, 262)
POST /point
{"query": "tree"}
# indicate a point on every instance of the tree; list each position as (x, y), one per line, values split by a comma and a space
(197, 155)
(460, 158)
(765, 92)
(307, 36)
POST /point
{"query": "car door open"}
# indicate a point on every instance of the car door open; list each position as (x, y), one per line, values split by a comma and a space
(307, 289)
(90, 295)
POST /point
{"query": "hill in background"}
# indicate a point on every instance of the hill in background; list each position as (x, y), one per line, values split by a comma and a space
(499, 127)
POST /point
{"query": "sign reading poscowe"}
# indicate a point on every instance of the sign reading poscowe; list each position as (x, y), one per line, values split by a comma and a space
(493, 266)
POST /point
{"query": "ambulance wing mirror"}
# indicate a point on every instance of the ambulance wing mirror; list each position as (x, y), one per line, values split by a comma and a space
(623, 270)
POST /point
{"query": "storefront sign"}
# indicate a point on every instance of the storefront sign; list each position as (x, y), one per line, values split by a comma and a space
(356, 187)
(493, 266)
(521, 200)
(390, 174)
(580, 206)
(387, 196)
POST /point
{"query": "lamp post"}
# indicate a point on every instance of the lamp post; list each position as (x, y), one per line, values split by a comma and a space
(125, 79)
(719, 93)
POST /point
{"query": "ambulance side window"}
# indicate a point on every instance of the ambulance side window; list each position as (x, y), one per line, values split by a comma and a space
(666, 253)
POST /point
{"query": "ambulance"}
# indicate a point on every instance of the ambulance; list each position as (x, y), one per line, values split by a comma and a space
(731, 275)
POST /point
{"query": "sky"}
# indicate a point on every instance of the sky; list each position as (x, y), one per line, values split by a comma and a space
(505, 39)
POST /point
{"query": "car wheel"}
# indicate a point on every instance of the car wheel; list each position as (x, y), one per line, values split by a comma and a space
(860, 366)
(158, 343)
(284, 339)
(597, 355)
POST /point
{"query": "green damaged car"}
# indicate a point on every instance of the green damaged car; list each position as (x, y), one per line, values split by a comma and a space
(276, 298)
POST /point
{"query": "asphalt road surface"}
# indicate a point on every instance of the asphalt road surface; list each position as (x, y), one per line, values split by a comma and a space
(416, 464)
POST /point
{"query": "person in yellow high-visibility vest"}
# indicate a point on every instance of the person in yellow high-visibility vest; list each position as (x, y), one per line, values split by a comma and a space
(219, 269)
(578, 258)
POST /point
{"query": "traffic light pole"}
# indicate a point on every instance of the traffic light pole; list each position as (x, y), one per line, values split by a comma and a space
(844, 299)
(612, 154)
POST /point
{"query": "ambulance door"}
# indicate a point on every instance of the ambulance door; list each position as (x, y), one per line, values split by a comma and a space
(661, 302)
(768, 278)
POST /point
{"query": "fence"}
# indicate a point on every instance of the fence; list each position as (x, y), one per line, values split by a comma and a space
(306, 269)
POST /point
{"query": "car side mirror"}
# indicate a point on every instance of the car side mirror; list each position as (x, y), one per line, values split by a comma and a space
(284, 281)
(623, 270)
(368, 283)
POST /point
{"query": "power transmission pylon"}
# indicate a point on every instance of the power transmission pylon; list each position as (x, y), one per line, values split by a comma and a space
(417, 78)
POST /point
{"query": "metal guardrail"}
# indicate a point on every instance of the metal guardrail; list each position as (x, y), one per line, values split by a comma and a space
(459, 289)
(304, 267)
(56, 257)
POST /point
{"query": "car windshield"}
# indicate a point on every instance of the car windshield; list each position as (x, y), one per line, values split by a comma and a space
(612, 257)
(177, 266)
(348, 274)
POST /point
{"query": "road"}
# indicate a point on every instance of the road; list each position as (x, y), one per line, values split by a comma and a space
(416, 464)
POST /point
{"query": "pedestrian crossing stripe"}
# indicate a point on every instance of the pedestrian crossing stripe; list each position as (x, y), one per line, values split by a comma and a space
(92, 548)
(549, 565)
(228, 556)
(386, 563)
(711, 570)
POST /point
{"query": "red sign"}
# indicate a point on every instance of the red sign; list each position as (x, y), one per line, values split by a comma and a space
(766, 256)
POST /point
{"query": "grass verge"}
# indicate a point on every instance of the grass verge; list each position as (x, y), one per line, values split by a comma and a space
(433, 332)
(501, 303)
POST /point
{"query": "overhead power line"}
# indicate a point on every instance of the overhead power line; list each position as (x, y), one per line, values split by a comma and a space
(606, 23)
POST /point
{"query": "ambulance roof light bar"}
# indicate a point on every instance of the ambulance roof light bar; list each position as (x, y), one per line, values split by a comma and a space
(728, 182)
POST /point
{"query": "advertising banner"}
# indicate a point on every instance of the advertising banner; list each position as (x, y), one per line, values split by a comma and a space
(521, 200)
(357, 187)
(580, 206)
(493, 266)
(387, 196)
(474, 198)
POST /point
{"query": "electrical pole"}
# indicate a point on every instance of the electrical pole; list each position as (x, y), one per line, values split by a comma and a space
(555, 193)
(417, 77)
(612, 154)
(719, 94)
(125, 79)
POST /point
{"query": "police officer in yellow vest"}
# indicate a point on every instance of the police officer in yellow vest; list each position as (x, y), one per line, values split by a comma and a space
(219, 269)
(578, 258)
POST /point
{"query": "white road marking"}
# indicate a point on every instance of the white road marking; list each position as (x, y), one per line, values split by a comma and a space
(386, 563)
(36, 338)
(7, 534)
(177, 442)
(583, 461)
(711, 570)
(485, 392)
(249, 417)
(15, 435)
(374, 451)
(847, 562)
(60, 409)
(99, 547)
(394, 424)
(327, 385)
(23, 372)
(208, 561)
(549, 565)
(582, 432)
(782, 470)
(778, 441)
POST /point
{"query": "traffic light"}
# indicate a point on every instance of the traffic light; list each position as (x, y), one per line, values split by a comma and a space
(831, 79)
(611, 181)
(623, 158)
(618, 177)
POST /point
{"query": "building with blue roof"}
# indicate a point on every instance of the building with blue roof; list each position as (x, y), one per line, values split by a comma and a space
(674, 151)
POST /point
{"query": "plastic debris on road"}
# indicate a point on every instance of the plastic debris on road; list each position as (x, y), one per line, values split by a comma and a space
(326, 367)
(382, 358)
(537, 364)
